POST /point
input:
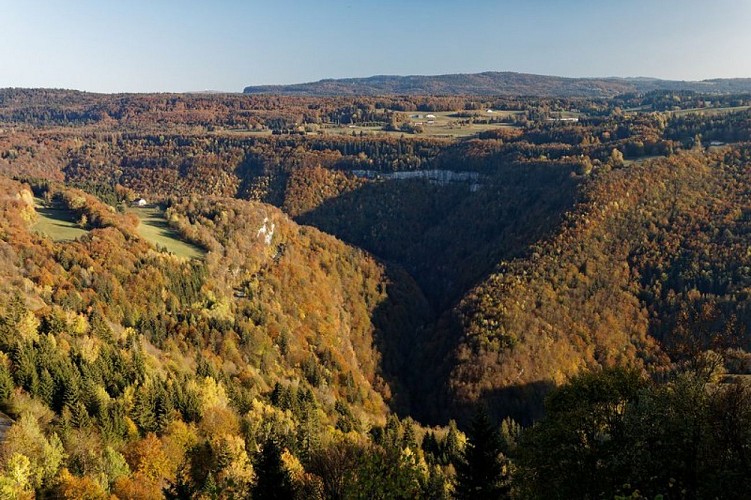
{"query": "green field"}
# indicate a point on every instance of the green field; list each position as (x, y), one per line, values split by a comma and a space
(450, 124)
(709, 111)
(154, 228)
(441, 124)
(60, 225)
(57, 223)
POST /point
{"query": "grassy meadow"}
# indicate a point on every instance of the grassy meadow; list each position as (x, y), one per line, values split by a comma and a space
(154, 228)
(57, 223)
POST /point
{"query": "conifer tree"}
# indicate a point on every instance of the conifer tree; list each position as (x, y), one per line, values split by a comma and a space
(273, 479)
(480, 472)
(451, 448)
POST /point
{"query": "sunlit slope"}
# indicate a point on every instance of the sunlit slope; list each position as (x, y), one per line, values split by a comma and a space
(654, 253)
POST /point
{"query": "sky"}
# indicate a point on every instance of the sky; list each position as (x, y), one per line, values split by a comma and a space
(225, 45)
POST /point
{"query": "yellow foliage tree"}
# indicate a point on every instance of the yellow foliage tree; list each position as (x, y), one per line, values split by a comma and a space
(71, 487)
(44, 455)
(15, 482)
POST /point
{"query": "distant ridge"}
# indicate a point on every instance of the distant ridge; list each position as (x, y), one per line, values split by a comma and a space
(498, 83)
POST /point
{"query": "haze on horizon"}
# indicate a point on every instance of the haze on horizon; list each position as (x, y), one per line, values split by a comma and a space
(190, 45)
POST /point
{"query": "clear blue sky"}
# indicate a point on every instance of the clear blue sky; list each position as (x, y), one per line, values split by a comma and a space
(187, 45)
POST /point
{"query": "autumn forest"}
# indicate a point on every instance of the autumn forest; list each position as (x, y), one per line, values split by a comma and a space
(271, 296)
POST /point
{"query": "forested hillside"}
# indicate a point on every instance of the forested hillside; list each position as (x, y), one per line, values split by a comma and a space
(496, 83)
(372, 314)
(652, 261)
(242, 333)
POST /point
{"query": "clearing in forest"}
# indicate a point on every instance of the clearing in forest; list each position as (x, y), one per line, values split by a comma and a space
(56, 222)
(154, 228)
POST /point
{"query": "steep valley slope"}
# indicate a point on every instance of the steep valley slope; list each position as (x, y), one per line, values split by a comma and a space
(560, 259)
(249, 316)
(358, 289)
(641, 265)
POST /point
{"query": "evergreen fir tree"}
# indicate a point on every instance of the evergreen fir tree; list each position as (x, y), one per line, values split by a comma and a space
(435, 487)
(6, 385)
(510, 434)
(431, 449)
(409, 438)
(451, 444)
(480, 472)
(46, 387)
(273, 479)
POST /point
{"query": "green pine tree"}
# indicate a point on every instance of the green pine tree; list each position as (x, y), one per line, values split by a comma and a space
(480, 472)
(451, 448)
(273, 479)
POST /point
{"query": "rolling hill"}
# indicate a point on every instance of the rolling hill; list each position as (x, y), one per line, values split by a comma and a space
(496, 83)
